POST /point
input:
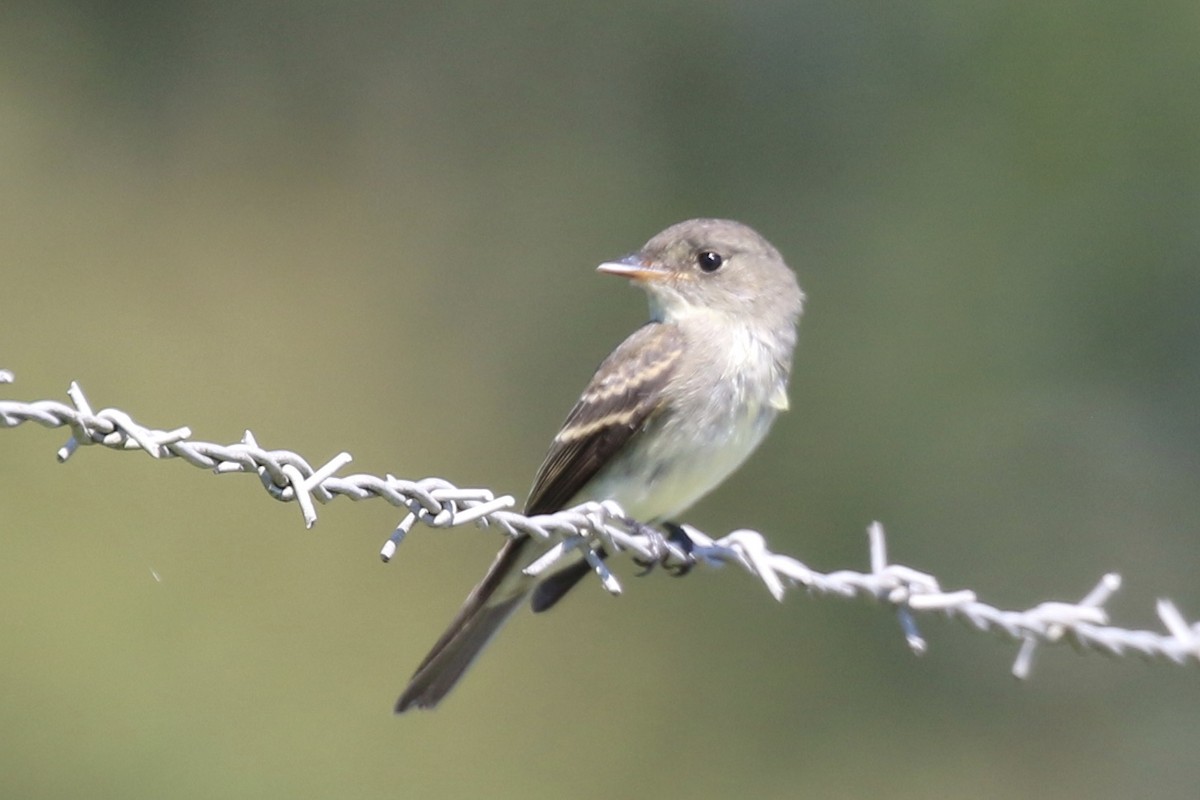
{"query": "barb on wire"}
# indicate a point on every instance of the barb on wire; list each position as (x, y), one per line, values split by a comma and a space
(437, 503)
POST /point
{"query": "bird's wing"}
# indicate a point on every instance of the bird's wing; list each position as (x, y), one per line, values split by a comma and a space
(622, 395)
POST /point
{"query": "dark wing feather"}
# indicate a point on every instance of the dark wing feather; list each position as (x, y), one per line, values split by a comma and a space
(622, 395)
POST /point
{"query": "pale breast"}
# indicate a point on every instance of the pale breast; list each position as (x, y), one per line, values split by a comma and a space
(713, 425)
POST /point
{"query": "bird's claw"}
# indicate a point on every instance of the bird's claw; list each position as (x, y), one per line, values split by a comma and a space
(677, 536)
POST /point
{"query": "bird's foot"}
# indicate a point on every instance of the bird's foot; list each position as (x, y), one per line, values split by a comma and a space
(664, 556)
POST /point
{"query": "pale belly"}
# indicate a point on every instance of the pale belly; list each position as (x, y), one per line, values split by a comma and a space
(678, 462)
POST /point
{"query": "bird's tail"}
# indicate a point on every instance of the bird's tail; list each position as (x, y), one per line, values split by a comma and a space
(485, 611)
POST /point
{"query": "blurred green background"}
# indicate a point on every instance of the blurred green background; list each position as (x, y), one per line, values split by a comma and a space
(373, 227)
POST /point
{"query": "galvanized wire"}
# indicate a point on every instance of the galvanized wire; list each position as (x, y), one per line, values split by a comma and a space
(437, 503)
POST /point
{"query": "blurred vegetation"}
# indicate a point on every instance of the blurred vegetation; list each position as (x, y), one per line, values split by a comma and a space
(371, 226)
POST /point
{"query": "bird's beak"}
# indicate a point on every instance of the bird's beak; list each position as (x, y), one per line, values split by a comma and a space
(634, 267)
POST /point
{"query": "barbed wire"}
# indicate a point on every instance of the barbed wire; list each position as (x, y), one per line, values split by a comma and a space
(437, 503)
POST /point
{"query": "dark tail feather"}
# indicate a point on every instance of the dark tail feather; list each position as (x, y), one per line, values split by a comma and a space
(449, 659)
(552, 589)
(485, 611)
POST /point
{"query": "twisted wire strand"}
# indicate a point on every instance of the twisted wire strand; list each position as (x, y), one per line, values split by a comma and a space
(437, 503)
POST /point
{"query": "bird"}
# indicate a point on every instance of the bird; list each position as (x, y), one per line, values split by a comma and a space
(669, 414)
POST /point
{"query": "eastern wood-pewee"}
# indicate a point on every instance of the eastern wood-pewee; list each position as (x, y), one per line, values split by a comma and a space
(676, 408)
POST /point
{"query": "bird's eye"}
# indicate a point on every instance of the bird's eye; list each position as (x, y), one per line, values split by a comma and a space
(710, 261)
